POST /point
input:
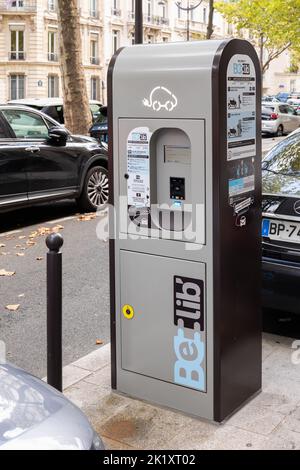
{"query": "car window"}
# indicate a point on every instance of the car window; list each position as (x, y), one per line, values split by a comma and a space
(285, 157)
(26, 125)
(283, 109)
(290, 110)
(268, 109)
(3, 131)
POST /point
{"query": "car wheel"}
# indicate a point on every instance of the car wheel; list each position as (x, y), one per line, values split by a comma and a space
(95, 189)
(279, 132)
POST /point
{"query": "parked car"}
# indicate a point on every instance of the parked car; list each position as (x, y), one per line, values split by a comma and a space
(295, 103)
(99, 129)
(279, 119)
(53, 107)
(281, 225)
(270, 99)
(34, 416)
(41, 161)
(283, 96)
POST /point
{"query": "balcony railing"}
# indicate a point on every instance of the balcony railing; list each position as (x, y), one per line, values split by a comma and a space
(16, 56)
(19, 6)
(156, 20)
(116, 12)
(152, 20)
(95, 61)
(52, 57)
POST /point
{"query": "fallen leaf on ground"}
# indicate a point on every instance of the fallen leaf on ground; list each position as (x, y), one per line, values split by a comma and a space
(39, 258)
(2, 245)
(2, 253)
(12, 308)
(20, 254)
(21, 296)
(30, 243)
(57, 228)
(3, 272)
(18, 246)
(86, 217)
(98, 342)
(22, 237)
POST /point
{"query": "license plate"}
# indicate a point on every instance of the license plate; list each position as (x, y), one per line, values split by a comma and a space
(281, 230)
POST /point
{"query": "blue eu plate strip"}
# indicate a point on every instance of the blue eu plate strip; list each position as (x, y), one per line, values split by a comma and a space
(265, 228)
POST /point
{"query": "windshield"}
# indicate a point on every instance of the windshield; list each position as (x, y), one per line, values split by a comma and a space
(285, 157)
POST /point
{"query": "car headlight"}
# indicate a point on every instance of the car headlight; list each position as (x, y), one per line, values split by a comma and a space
(97, 443)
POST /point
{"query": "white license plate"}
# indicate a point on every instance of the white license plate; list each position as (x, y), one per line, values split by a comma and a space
(281, 230)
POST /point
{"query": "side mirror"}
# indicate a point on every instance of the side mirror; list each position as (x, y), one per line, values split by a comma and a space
(58, 136)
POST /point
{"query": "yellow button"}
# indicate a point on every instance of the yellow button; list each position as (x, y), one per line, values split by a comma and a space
(128, 312)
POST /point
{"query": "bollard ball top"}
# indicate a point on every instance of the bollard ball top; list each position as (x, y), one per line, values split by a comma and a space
(54, 242)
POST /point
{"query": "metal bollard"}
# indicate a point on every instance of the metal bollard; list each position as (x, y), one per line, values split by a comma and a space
(54, 311)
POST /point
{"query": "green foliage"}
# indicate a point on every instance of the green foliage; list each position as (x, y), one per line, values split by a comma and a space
(273, 24)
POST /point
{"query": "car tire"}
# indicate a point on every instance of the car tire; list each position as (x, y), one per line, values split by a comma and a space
(279, 132)
(95, 190)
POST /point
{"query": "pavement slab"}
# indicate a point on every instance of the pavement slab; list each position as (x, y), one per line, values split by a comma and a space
(270, 421)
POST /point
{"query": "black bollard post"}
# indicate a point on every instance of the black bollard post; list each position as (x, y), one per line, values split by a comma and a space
(54, 311)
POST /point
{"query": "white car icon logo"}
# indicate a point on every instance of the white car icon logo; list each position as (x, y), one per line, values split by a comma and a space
(161, 98)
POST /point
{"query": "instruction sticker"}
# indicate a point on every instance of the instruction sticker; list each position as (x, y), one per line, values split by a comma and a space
(241, 108)
(138, 167)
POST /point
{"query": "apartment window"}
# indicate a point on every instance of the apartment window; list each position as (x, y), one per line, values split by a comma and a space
(95, 88)
(17, 87)
(116, 40)
(149, 9)
(150, 39)
(292, 85)
(132, 39)
(16, 3)
(164, 10)
(94, 8)
(229, 29)
(53, 86)
(51, 5)
(204, 15)
(179, 12)
(115, 8)
(52, 42)
(17, 45)
(165, 39)
(94, 52)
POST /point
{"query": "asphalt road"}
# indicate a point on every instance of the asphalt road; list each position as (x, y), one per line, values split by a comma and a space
(85, 285)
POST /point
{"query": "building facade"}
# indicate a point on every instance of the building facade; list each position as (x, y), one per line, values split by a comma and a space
(29, 41)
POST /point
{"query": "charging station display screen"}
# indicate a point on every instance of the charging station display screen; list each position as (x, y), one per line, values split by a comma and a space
(175, 154)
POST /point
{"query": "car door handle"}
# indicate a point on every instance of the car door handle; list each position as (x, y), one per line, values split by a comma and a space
(32, 149)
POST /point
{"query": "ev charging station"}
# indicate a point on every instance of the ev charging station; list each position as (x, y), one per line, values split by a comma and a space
(185, 245)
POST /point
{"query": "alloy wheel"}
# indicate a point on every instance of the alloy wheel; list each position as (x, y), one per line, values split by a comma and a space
(98, 188)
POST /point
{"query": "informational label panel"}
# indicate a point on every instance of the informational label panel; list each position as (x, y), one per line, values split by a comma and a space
(241, 130)
(241, 108)
(138, 167)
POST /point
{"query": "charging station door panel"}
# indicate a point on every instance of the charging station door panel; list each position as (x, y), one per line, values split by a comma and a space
(150, 322)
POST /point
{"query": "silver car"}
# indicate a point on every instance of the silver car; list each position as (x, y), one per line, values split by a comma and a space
(34, 416)
(279, 118)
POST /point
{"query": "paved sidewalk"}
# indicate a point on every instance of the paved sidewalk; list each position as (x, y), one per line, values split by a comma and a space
(270, 421)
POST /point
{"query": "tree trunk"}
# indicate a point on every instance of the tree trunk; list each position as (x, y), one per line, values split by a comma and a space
(261, 53)
(210, 26)
(77, 112)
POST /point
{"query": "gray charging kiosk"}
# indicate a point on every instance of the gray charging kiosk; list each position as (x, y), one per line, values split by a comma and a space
(185, 246)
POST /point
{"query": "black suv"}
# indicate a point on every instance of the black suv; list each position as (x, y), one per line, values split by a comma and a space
(41, 161)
